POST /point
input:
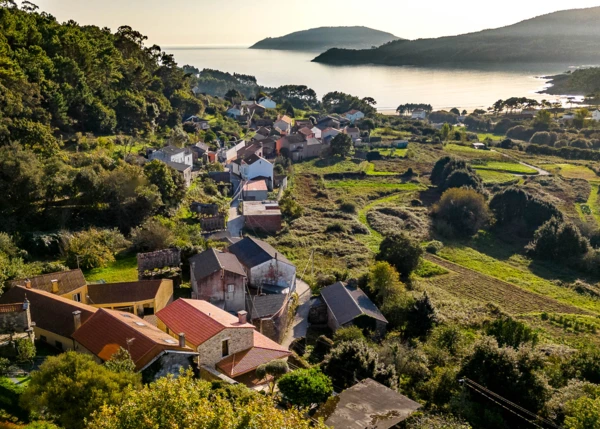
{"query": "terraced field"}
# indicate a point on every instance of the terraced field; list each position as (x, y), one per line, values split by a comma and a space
(496, 177)
(505, 167)
(467, 283)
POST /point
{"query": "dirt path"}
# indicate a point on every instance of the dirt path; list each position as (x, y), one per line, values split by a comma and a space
(300, 324)
(468, 283)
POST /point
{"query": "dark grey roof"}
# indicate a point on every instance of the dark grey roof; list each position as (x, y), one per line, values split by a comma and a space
(368, 404)
(172, 150)
(178, 166)
(347, 303)
(313, 141)
(252, 252)
(211, 261)
(220, 176)
(265, 305)
(66, 281)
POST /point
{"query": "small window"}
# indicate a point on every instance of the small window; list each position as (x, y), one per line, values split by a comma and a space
(230, 288)
(77, 297)
(225, 348)
(169, 341)
(58, 345)
(140, 324)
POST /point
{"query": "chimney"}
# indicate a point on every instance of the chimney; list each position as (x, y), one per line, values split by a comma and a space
(28, 284)
(182, 340)
(54, 286)
(242, 317)
(77, 319)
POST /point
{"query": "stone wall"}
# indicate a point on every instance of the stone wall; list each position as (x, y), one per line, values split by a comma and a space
(276, 326)
(159, 259)
(14, 319)
(269, 224)
(240, 339)
(214, 223)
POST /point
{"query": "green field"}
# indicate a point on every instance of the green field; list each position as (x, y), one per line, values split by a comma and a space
(327, 166)
(391, 152)
(505, 167)
(124, 269)
(469, 152)
(369, 169)
(372, 184)
(496, 177)
(572, 171)
(491, 136)
(389, 133)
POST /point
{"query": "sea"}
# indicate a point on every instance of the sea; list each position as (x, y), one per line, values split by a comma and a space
(476, 86)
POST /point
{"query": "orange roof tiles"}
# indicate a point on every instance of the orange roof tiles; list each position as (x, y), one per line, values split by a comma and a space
(256, 185)
(199, 320)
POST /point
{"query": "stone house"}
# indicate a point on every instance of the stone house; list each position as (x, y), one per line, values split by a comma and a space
(263, 216)
(15, 323)
(269, 314)
(348, 305)
(224, 342)
(267, 269)
(218, 278)
(154, 353)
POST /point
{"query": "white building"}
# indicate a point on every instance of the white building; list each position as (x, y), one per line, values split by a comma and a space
(419, 114)
(354, 115)
(172, 154)
(284, 124)
(267, 103)
(317, 132)
(596, 115)
(330, 132)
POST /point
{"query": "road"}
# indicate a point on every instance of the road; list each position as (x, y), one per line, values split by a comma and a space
(539, 170)
(300, 324)
(235, 223)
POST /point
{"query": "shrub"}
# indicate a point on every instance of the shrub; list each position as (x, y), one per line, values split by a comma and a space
(305, 387)
(93, 248)
(348, 207)
(543, 137)
(336, 227)
(464, 210)
(350, 333)
(422, 317)
(520, 132)
(503, 126)
(558, 240)
(434, 247)
(511, 333)
(152, 236)
(402, 252)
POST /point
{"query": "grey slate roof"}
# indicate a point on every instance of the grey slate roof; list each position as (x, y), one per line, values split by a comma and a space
(67, 281)
(347, 303)
(264, 305)
(178, 166)
(369, 404)
(172, 150)
(211, 261)
(252, 252)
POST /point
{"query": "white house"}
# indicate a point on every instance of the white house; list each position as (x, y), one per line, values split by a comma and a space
(353, 132)
(236, 111)
(172, 154)
(354, 115)
(329, 132)
(419, 114)
(284, 124)
(267, 103)
(596, 115)
(255, 166)
(317, 132)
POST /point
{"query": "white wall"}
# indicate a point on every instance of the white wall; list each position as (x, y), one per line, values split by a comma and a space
(262, 167)
(274, 272)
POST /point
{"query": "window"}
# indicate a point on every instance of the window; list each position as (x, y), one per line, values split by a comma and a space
(58, 345)
(77, 297)
(230, 288)
(225, 348)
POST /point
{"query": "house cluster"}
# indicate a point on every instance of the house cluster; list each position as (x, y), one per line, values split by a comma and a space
(232, 324)
(182, 159)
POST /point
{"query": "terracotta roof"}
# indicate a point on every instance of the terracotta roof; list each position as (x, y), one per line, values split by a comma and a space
(68, 281)
(11, 308)
(305, 131)
(256, 185)
(286, 119)
(212, 260)
(110, 293)
(49, 311)
(252, 252)
(199, 320)
(346, 303)
(108, 330)
(264, 351)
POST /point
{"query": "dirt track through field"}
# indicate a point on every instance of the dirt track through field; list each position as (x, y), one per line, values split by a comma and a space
(467, 283)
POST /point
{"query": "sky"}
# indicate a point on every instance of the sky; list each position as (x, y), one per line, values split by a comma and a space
(244, 22)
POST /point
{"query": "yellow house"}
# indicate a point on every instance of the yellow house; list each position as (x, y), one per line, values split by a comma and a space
(143, 298)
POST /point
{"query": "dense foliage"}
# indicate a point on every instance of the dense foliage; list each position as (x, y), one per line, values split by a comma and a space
(305, 387)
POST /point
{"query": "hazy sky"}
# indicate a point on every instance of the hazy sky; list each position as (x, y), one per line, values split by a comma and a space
(202, 22)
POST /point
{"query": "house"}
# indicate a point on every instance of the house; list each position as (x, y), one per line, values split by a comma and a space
(354, 115)
(317, 132)
(269, 314)
(202, 123)
(284, 123)
(329, 133)
(251, 149)
(303, 123)
(306, 132)
(198, 150)
(173, 154)
(346, 304)
(255, 108)
(183, 169)
(219, 278)
(267, 102)
(353, 132)
(255, 190)
(253, 167)
(224, 342)
(419, 115)
(56, 318)
(154, 353)
(263, 216)
(236, 111)
(267, 269)
(367, 404)
(143, 298)
(15, 324)
(328, 122)
(596, 115)
(269, 147)
(568, 117)
(479, 146)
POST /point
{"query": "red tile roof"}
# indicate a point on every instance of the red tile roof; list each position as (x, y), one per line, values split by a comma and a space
(108, 330)
(264, 351)
(199, 320)
(256, 185)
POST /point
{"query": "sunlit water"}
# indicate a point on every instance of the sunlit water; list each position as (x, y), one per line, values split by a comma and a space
(478, 86)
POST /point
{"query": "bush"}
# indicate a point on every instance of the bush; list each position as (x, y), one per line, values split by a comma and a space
(434, 247)
(503, 126)
(350, 333)
(152, 236)
(93, 248)
(520, 132)
(464, 210)
(558, 240)
(305, 387)
(544, 137)
(348, 207)
(402, 252)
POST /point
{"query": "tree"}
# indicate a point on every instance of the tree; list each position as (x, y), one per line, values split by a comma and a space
(69, 387)
(463, 210)
(370, 101)
(583, 413)
(341, 145)
(187, 402)
(464, 113)
(169, 182)
(455, 111)
(348, 333)
(557, 240)
(93, 248)
(384, 281)
(445, 131)
(402, 252)
(511, 333)
(580, 117)
(275, 370)
(120, 361)
(353, 361)
(152, 235)
(25, 350)
(422, 317)
(305, 387)
(542, 120)
(233, 95)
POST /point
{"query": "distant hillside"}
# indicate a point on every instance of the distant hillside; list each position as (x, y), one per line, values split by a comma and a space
(580, 82)
(321, 39)
(572, 35)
